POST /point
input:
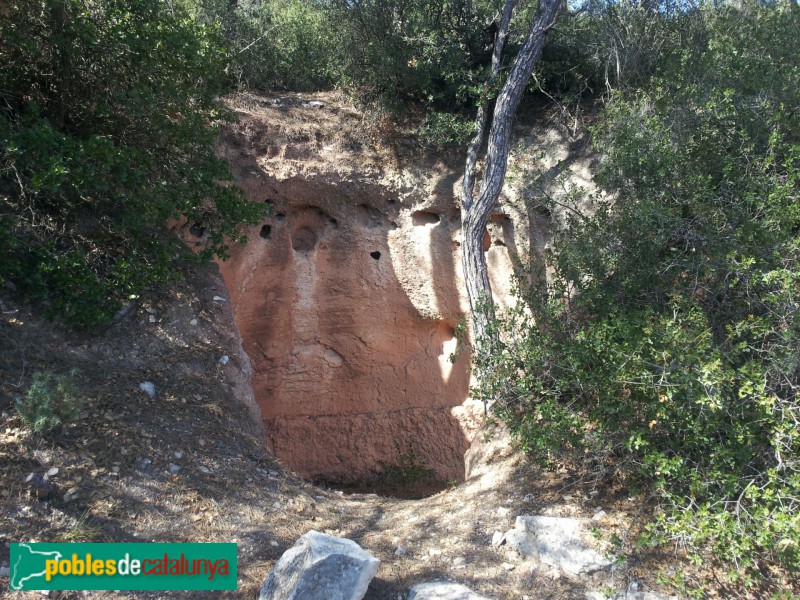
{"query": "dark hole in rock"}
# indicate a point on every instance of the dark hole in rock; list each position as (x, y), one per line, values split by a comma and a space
(265, 231)
(334, 222)
(280, 216)
(376, 255)
(391, 201)
(424, 217)
(197, 230)
(499, 243)
(304, 240)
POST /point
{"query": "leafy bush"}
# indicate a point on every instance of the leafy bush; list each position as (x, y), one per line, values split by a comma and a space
(397, 53)
(106, 132)
(282, 44)
(446, 128)
(666, 347)
(51, 400)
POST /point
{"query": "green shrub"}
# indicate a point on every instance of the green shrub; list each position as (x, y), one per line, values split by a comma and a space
(107, 128)
(282, 44)
(666, 347)
(51, 401)
(444, 129)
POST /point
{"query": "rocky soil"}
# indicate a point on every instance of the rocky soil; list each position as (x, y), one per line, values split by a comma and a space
(189, 464)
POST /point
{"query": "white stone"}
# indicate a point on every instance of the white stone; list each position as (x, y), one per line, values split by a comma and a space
(563, 543)
(224, 359)
(321, 567)
(497, 539)
(523, 542)
(442, 590)
(149, 388)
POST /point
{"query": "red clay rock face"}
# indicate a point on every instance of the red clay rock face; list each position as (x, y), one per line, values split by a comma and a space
(347, 297)
(347, 374)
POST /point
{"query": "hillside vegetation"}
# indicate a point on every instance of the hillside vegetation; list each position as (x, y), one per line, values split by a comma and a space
(663, 352)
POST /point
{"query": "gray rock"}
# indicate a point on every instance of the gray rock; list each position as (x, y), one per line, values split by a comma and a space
(562, 543)
(173, 468)
(523, 542)
(149, 388)
(321, 567)
(442, 590)
(40, 485)
(400, 551)
(5, 571)
(497, 539)
(223, 360)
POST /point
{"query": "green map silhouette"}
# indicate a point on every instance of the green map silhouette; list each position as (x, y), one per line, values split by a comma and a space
(29, 564)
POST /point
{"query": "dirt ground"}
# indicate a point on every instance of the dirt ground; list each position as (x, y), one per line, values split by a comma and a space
(115, 482)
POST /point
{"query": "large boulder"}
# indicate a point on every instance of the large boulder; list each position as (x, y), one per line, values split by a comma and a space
(442, 590)
(321, 567)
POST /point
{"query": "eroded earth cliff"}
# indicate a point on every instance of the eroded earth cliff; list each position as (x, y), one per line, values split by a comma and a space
(349, 297)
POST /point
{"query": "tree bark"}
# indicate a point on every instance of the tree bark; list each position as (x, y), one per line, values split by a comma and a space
(475, 211)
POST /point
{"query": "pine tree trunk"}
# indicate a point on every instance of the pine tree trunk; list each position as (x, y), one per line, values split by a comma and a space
(475, 212)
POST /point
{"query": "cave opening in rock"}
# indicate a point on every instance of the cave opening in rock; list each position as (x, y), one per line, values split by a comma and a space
(421, 218)
(376, 255)
(265, 231)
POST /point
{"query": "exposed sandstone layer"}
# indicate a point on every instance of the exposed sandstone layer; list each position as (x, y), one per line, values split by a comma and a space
(349, 296)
